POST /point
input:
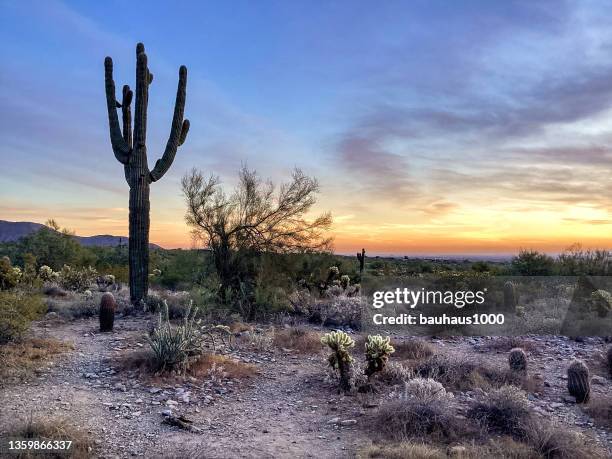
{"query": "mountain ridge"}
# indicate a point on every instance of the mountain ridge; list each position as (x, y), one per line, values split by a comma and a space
(13, 231)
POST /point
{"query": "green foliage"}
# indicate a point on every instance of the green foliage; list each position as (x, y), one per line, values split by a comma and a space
(77, 280)
(377, 350)
(173, 345)
(9, 275)
(54, 248)
(17, 310)
(532, 263)
(577, 262)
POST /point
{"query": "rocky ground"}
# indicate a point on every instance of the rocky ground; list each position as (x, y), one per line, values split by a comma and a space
(288, 410)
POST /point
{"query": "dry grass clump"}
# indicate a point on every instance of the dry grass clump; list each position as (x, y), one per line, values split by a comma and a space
(299, 339)
(46, 429)
(240, 327)
(553, 441)
(234, 369)
(402, 450)
(504, 411)
(502, 448)
(396, 373)
(462, 373)
(507, 343)
(412, 349)
(600, 409)
(21, 359)
(404, 418)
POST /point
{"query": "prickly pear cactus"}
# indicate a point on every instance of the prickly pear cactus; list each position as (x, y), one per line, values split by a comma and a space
(377, 350)
(340, 359)
(517, 359)
(107, 312)
(510, 296)
(579, 381)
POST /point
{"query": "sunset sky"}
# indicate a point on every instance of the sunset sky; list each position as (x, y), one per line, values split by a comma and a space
(434, 127)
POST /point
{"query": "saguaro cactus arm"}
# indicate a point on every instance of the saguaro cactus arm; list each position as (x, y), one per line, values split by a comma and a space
(121, 148)
(178, 132)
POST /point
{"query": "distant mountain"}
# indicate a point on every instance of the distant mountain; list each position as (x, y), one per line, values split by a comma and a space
(13, 231)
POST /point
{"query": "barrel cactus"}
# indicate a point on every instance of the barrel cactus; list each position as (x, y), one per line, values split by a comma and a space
(510, 296)
(377, 350)
(107, 312)
(340, 359)
(517, 359)
(579, 381)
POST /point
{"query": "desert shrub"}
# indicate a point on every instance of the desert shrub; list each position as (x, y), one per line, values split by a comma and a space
(259, 340)
(9, 274)
(77, 280)
(172, 346)
(74, 306)
(553, 441)
(17, 310)
(178, 303)
(425, 390)
(532, 263)
(221, 367)
(408, 418)
(600, 409)
(337, 310)
(299, 339)
(507, 343)
(504, 411)
(578, 262)
(413, 349)
(396, 373)
(301, 301)
(45, 429)
(466, 373)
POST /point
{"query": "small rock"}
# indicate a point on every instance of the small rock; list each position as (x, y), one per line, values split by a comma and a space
(348, 422)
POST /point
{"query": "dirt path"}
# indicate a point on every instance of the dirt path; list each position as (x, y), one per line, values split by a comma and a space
(283, 412)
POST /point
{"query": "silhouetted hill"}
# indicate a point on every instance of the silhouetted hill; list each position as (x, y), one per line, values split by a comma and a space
(13, 231)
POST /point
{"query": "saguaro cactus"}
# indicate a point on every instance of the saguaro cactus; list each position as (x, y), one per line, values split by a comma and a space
(361, 258)
(510, 296)
(130, 150)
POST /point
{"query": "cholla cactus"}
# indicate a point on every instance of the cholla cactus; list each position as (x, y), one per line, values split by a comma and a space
(377, 350)
(345, 281)
(340, 359)
(517, 359)
(600, 302)
(45, 273)
(510, 296)
(579, 381)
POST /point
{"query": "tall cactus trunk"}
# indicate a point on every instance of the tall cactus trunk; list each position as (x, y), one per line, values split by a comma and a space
(131, 151)
(139, 242)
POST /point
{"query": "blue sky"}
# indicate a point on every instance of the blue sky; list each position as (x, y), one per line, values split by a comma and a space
(433, 126)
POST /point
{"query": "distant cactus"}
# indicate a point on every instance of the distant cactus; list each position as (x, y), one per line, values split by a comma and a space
(378, 350)
(45, 273)
(340, 359)
(361, 259)
(517, 359)
(510, 296)
(579, 381)
(107, 312)
(609, 356)
(600, 302)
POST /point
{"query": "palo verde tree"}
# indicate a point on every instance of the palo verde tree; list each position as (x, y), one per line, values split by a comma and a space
(130, 150)
(256, 218)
